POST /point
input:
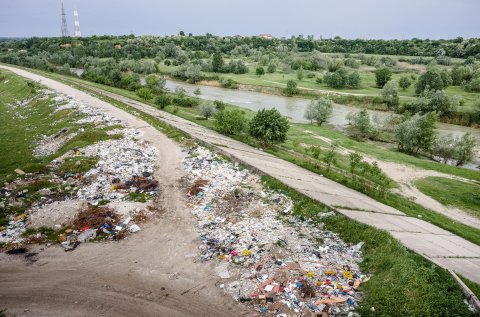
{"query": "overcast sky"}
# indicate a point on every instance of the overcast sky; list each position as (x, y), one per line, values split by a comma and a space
(386, 19)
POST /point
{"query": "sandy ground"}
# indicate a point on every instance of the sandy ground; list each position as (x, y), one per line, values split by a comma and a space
(152, 273)
(406, 175)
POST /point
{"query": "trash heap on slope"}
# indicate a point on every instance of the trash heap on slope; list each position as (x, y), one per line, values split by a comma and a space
(122, 177)
(266, 258)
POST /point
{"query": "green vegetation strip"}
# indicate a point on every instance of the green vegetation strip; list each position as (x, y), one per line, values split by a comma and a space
(474, 287)
(394, 200)
(452, 192)
(402, 283)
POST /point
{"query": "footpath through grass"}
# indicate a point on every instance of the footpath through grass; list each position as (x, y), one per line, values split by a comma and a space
(452, 192)
(291, 152)
(402, 283)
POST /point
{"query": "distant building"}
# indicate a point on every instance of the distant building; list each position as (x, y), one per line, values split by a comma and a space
(118, 46)
(266, 36)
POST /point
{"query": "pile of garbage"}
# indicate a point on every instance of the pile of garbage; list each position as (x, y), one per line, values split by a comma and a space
(96, 222)
(124, 166)
(121, 179)
(266, 258)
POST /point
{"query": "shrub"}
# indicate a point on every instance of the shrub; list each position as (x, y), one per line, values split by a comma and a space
(361, 126)
(227, 83)
(269, 127)
(382, 76)
(260, 71)
(230, 122)
(291, 88)
(163, 100)
(219, 105)
(207, 109)
(404, 82)
(145, 93)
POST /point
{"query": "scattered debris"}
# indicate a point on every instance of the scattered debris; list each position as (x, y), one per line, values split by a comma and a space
(122, 177)
(267, 258)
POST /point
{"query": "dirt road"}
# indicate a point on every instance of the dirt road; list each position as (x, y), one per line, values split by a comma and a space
(152, 273)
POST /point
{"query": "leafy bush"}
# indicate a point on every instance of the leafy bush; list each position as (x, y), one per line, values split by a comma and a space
(361, 126)
(145, 93)
(416, 133)
(230, 122)
(319, 110)
(341, 78)
(228, 83)
(382, 76)
(207, 109)
(260, 71)
(291, 88)
(163, 100)
(389, 94)
(269, 127)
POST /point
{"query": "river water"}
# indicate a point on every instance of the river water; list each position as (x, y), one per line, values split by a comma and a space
(294, 108)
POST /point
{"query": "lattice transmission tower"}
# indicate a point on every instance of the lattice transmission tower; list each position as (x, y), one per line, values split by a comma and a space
(76, 23)
(64, 23)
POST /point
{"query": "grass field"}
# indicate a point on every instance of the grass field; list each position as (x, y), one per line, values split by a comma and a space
(453, 193)
(402, 283)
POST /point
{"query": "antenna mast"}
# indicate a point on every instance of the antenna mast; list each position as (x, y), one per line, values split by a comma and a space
(76, 23)
(64, 23)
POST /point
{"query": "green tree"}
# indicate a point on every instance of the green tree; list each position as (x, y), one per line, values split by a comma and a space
(464, 149)
(404, 82)
(230, 122)
(291, 88)
(217, 62)
(417, 133)
(269, 127)
(353, 80)
(300, 73)
(207, 109)
(319, 110)
(260, 71)
(389, 94)
(382, 76)
(431, 79)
